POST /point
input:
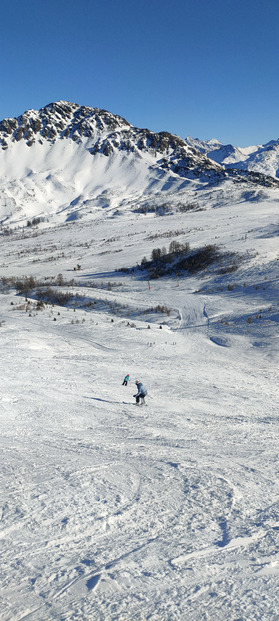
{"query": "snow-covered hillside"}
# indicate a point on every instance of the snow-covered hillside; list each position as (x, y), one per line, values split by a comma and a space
(66, 158)
(109, 511)
(66, 161)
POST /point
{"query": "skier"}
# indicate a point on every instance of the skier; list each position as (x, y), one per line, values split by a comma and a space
(142, 392)
(126, 380)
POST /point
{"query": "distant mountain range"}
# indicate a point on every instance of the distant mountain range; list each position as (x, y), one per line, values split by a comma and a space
(260, 158)
(68, 160)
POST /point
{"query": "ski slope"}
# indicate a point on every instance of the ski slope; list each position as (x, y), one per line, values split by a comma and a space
(165, 512)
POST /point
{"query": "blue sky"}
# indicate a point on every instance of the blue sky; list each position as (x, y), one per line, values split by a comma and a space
(204, 68)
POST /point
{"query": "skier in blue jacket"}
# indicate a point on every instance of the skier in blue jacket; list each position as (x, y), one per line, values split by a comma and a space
(142, 392)
(126, 380)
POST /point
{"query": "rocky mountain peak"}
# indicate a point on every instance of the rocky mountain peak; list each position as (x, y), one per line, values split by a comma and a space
(105, 133)
(58, 120)
(102, 133)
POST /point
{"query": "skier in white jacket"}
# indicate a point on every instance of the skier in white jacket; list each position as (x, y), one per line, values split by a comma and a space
(142, 392)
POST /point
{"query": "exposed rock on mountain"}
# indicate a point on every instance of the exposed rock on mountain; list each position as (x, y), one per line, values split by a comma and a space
(102, 132)
(67, 160)
(58, 120)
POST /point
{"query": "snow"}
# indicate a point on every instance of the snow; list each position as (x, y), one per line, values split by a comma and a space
(110, 511)
(259, 158)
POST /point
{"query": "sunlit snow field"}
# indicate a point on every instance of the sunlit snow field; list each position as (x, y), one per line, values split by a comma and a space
(163, 512)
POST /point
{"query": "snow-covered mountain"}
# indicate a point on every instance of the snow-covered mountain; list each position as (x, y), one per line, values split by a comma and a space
(263, 159)
(65, 160)
(64, 155)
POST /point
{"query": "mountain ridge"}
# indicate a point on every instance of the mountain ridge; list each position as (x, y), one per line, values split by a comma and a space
(107, 132)
(258, 158)
(67, 161)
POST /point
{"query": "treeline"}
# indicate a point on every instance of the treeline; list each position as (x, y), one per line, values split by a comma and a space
(179, 258)
(40, 289)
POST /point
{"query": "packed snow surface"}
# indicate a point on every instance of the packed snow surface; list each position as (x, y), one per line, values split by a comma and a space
(165, 511)
(162, 512)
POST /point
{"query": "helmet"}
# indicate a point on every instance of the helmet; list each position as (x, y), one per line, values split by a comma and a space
(137, 382)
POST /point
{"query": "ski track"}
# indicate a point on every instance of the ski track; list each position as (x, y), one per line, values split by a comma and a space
(109, 511)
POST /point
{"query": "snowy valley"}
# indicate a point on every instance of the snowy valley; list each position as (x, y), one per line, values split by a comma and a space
(125, 251)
